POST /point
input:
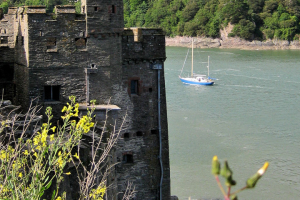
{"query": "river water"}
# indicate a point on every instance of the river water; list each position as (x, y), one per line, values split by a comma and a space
(251, 115)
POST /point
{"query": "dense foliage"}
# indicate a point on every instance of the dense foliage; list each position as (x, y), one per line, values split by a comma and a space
(252, 19)
(48, 3)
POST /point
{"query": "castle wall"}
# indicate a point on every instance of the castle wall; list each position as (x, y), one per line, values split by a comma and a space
(7, 44)
(143, 48)
(91, 56)
(7, 38)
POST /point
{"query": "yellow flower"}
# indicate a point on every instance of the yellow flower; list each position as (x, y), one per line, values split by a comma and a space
(35, 154)
(76, 156)
(264, 168)
(58, 198)
(25, 152)
(20, 175)
(68, 173)
(64, 109)
(60, 162)
(53, 128)
(2, 155)
(36, 140)
(52, 137)
(251, 182)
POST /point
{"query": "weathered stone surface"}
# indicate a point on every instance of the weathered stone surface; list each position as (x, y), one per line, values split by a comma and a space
(91, 56)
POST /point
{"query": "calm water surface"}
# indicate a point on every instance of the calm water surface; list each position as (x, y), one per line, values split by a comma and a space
(251, 115)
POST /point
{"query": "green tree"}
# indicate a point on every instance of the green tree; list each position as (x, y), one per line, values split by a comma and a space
(244, 29)
(5, 4)
(190, 11)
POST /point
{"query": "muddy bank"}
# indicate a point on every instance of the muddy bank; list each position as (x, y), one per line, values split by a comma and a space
(232, 43)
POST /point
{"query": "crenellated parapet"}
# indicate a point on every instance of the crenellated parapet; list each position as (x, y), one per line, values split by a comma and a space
(34, 9)
(68, 9)
(143, 43)
(7, 24)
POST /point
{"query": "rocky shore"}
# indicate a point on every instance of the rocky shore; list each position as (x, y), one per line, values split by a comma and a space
(232, 42)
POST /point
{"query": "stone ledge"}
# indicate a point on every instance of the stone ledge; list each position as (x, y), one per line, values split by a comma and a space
(99, 107)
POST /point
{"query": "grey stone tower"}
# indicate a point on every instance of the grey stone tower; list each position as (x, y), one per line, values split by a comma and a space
(91, 56)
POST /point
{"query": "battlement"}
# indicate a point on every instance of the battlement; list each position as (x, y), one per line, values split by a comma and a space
(143, 43)
(64, 9)
(138, 33)
(12, 10)
(35, 9)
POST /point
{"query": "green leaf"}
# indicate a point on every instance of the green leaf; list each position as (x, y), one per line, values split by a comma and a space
(42, 191)
(48, 185)
(53, 195)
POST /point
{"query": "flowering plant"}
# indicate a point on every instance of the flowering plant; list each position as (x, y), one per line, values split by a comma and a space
(30, 165)
(229, 182)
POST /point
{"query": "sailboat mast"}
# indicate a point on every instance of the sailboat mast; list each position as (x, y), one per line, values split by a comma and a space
(208, 67)
(192, 57)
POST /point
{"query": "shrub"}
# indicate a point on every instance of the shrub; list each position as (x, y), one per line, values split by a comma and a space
(30, 164)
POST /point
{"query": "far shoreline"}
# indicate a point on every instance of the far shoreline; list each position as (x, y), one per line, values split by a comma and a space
(232, 43)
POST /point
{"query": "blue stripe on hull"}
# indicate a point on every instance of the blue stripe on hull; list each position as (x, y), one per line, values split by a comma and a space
(196, 83)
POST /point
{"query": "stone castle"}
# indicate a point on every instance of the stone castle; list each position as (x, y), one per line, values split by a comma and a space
(92, 56)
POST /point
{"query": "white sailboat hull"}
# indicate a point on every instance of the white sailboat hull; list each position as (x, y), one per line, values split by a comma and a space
(197, 81)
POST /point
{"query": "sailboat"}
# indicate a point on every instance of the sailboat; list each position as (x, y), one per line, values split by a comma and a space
(196, 79)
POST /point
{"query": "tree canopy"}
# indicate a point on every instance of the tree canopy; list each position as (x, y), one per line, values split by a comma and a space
(252, 19)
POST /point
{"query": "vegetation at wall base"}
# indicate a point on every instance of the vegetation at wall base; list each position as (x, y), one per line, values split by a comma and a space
(35, 160)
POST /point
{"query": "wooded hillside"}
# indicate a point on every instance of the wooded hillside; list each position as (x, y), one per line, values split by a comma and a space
(252, 19)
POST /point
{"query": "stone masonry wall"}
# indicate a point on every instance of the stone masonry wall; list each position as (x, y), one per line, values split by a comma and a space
(141, 50)
(63, 54)
(7, 44)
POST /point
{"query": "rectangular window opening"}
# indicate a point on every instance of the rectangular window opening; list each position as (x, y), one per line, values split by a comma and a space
(113, 9)
(127, 158)
(51, 92)
(51, 43)
(4, 40)
(126, 135)
(80, 42)
(134, 87)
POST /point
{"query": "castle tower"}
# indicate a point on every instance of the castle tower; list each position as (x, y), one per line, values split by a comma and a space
(91, 56)
(104, 26)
